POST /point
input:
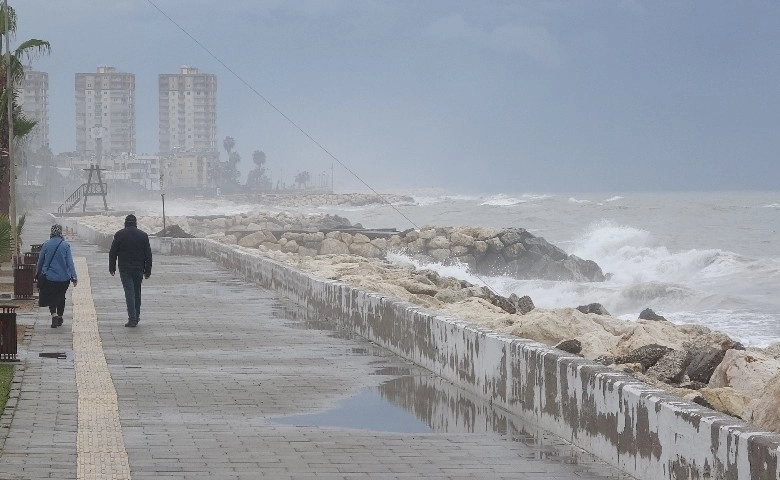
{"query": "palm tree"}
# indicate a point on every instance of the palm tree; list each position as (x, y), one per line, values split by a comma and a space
(229, 143)
(15, 68)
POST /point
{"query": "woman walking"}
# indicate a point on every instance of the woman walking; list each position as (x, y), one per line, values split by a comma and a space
(55, 272)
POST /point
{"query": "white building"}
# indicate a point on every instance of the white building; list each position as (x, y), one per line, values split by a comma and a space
(188, 170)
(105, 112)
(34, 100)
(188, 111)
(141, 169)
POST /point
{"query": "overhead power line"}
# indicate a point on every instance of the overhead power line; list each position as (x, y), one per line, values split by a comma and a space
(279, 111)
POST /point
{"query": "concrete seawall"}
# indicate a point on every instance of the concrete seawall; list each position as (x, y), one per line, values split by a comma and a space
(640, 429)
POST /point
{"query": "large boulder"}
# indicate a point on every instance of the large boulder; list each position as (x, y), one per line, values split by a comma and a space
(727, 400)
(542, 246)
(597, 334)
(671, 367)
(364, 249)
(704, 363)
(252, 240)
(595, 308)
(772, 350)
(646, 355)
(522, 304)
(704, 339)
(417, 288)
(764, 410)
(571, 346)
(648, 314)
(746, 371)
(331, 246)
(646, 332)
(501, 302)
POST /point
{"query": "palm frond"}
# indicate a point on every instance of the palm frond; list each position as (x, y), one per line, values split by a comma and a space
(22, 125)
(19, 230)
(11, 21)
(32, 48)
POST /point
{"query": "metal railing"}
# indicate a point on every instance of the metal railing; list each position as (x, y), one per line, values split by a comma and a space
(84, 190)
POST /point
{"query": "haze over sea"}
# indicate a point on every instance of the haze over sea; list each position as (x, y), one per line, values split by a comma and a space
(707, 258)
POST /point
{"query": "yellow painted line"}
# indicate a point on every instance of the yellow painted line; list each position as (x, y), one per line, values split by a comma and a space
(100, 448)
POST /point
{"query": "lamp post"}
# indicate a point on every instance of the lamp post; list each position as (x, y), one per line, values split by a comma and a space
(162, 195)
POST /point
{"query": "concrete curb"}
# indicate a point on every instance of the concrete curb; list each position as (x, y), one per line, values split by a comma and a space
(640, 429)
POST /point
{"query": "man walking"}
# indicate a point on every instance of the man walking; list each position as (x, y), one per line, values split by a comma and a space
(131, 246)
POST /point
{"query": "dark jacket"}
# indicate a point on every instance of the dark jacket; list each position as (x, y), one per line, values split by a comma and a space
(131, 245)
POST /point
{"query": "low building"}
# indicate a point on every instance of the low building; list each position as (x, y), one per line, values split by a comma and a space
(188, 170)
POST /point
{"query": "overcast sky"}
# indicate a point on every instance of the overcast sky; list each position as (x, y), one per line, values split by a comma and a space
(468, 96)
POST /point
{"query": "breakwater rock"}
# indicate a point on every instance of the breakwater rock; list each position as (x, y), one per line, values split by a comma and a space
(513, 252)
(303, 199)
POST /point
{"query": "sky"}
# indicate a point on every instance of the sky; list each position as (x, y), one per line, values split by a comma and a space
(450, 95)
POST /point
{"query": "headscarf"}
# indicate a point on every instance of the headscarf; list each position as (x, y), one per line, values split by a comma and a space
(130, 221)
(56, 230)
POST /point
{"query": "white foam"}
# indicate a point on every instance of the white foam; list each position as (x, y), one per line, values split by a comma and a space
(425, 201)
(502, 200)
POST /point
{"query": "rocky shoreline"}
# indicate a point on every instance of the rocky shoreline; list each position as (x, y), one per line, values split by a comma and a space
(691, 361)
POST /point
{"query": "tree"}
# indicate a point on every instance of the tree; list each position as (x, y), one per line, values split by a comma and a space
(226, 173)
(302, 178)
(258, 180)
(15, 69)
(229, 144)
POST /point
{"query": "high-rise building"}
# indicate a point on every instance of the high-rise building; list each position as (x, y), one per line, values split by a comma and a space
(188, 111)
(34, 100)
(105, 112)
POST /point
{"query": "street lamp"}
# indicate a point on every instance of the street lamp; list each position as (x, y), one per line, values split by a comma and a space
(162, 195)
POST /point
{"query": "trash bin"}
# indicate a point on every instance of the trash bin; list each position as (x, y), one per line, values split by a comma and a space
(8, 345)
(24, 279)
(31, 257)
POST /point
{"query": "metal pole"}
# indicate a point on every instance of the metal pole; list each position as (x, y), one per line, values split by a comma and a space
(10, 103)
(165, 232)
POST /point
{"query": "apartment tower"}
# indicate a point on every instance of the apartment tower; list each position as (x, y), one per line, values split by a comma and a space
(188, 111)
(105, 112)
(34, 101)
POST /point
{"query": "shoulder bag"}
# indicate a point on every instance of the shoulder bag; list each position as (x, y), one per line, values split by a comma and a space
(42, 274)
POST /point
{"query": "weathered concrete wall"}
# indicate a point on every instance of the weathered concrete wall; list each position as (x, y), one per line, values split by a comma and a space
(644, 431)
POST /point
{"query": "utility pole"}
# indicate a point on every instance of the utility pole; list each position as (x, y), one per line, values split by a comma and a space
(162, 195)
(9, 101)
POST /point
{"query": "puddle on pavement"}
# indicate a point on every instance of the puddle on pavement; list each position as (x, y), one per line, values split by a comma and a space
(415, 400)
(365, 411)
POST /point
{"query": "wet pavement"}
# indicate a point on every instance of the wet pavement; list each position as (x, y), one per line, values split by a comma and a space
(225, 380)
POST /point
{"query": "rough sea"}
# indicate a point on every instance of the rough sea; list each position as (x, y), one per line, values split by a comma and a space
(706, 258)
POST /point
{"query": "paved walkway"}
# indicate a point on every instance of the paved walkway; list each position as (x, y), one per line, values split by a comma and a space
(223, 380)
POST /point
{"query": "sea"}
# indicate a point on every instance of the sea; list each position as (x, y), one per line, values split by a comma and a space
(710, 258)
